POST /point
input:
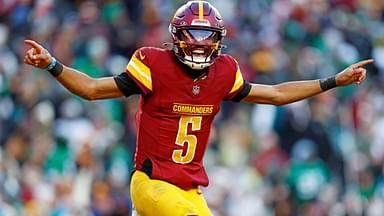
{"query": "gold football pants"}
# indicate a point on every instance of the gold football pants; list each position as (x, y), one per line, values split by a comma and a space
(159, 198)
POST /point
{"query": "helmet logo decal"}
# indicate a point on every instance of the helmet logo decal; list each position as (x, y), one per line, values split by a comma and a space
(201, 22)
(195, 89)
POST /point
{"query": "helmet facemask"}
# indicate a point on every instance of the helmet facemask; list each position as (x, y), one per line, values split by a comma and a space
(198, 47)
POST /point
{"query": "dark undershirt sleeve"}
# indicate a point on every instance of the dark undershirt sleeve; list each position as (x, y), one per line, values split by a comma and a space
(242, 93)
(126, 85)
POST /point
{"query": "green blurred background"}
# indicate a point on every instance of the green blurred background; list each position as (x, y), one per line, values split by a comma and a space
(61, 155)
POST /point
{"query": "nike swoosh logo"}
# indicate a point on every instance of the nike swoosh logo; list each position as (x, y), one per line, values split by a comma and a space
(142, 57)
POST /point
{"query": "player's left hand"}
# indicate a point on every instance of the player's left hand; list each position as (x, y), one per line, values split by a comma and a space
(37, 55)
(356, 73)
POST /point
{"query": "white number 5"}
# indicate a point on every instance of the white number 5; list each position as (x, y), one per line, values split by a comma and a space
(186, 139)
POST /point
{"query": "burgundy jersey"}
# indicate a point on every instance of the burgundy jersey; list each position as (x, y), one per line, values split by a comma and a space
(176, 113)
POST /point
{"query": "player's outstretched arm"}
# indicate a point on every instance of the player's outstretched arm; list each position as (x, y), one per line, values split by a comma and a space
(75, 81)
(289, 92)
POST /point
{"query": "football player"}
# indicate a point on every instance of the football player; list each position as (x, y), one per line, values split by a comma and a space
(180, 93)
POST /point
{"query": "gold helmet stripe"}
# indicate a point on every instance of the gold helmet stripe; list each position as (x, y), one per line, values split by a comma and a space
(201, 10)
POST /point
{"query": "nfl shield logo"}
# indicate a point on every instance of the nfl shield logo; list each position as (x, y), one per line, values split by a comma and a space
(195, 89)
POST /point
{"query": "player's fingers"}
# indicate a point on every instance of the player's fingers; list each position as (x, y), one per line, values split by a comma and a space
(28, 60)
(359, 70)
(31, 62)
(29, 53)
(34, 44)
(40, 57)
(361, 78)
(363, 63)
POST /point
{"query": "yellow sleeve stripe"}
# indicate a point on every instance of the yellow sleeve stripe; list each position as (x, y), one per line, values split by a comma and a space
(238, 82)
(140, 71)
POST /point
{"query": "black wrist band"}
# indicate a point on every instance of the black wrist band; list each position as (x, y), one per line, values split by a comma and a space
(328, 83)
(55, 68)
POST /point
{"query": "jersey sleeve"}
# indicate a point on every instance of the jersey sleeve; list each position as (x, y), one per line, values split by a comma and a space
(242, 93)
(139, 69)
(127, 85)
(239, 88)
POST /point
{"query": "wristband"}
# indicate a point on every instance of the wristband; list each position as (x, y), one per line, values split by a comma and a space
(52, 64)
(328, 83)
(55, 68)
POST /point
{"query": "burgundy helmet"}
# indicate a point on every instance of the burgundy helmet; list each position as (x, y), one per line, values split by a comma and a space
(197, 30)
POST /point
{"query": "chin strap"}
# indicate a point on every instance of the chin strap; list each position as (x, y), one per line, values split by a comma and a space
(169, 45)
(190, 62)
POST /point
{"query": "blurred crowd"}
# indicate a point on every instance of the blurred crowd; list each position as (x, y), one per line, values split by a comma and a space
(61, 155)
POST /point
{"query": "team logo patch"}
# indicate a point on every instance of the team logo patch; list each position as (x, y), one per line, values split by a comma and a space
(142, 57)
(195, 89)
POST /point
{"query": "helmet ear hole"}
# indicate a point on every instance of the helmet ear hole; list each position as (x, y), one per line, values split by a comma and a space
(172, 29)
(224, 33)
(197, 30)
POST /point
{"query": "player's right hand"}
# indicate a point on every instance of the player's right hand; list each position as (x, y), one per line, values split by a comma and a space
(37, 55)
